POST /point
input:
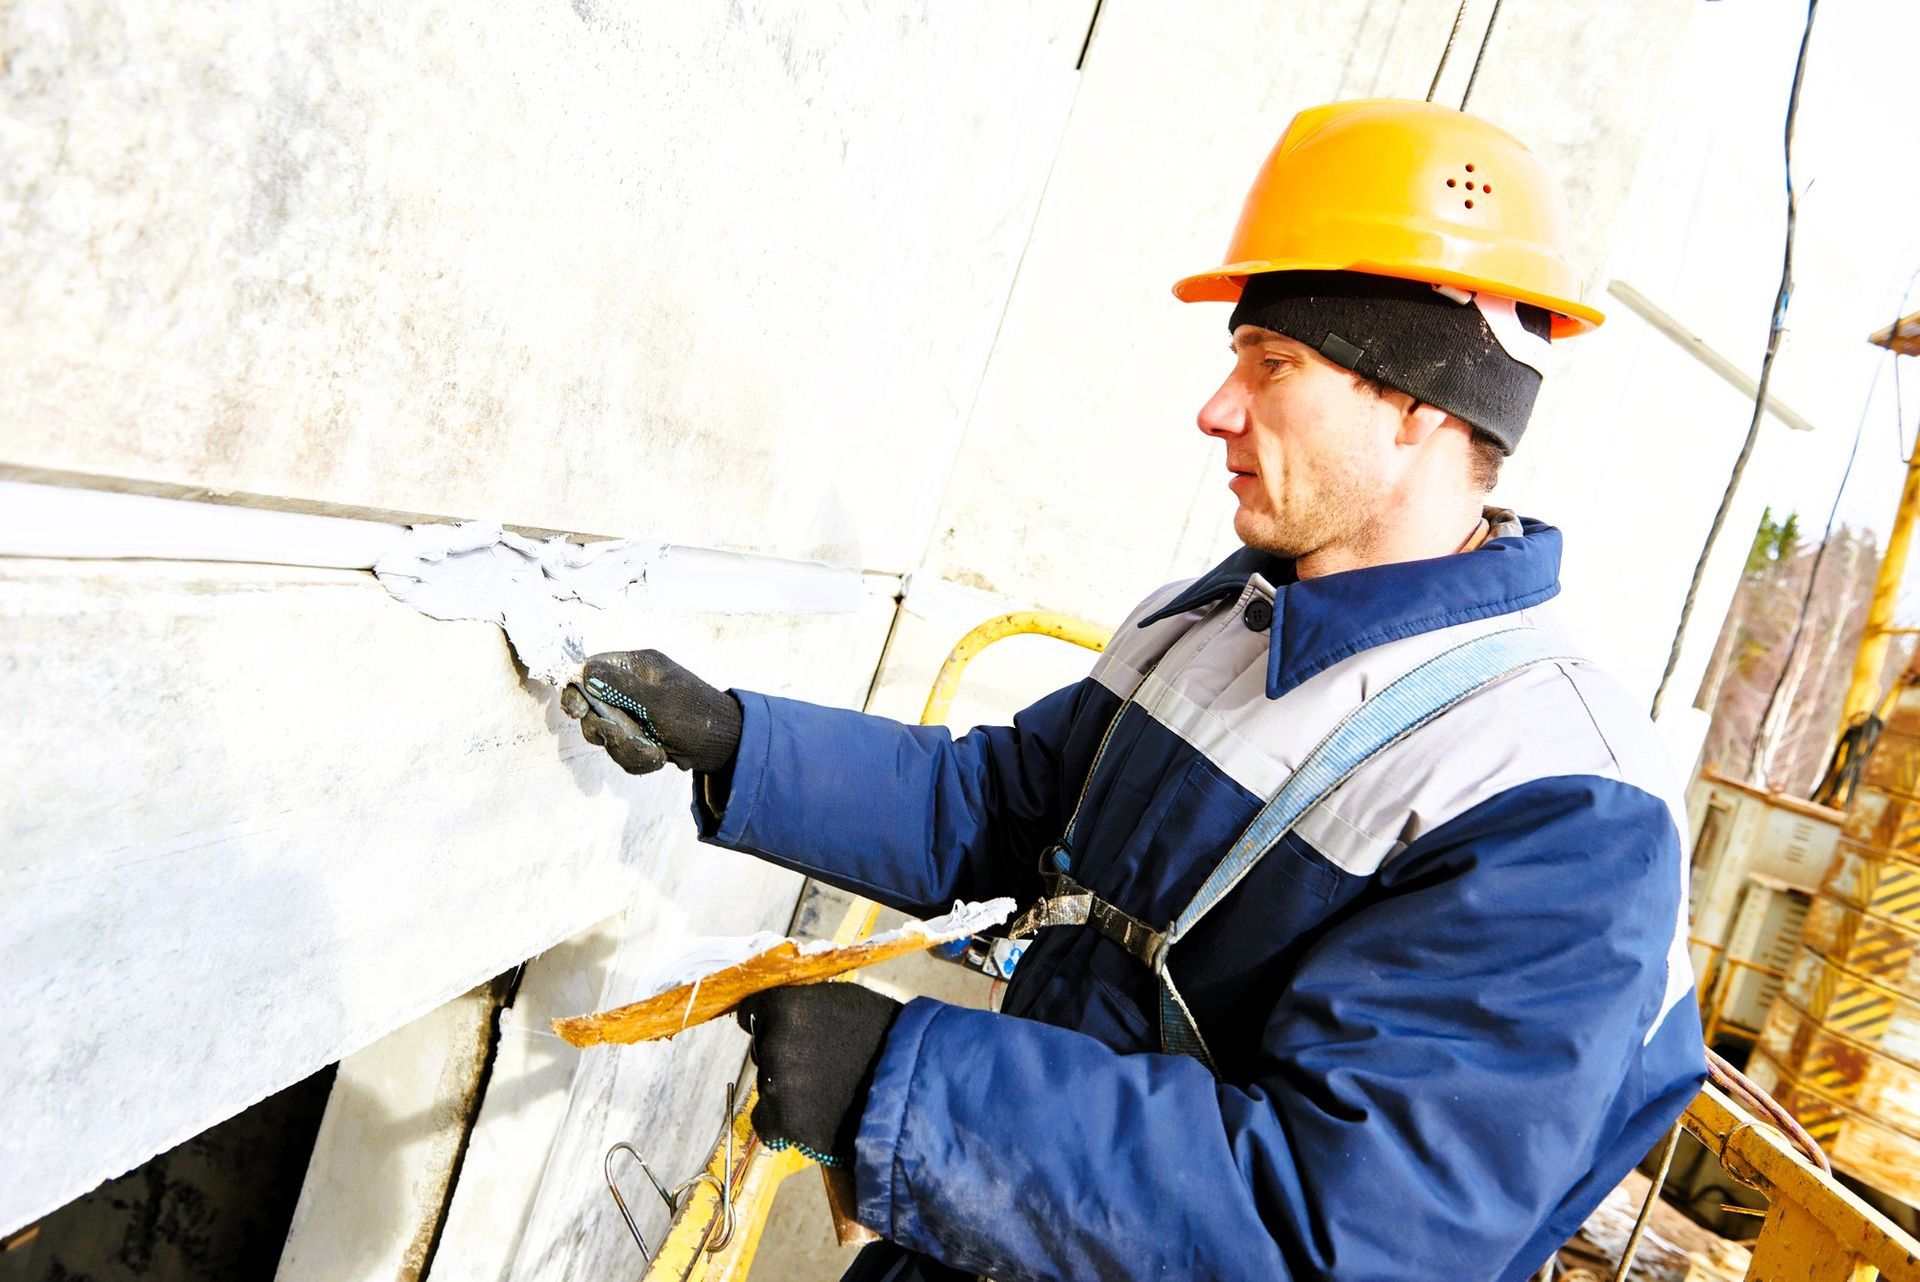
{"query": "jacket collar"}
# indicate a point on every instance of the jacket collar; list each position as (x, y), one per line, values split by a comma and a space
(1318, 622)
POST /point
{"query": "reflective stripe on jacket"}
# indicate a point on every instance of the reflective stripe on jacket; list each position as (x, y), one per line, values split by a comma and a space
(1450, 1010)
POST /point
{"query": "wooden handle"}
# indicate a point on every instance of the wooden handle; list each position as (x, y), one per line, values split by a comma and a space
(840, 1200)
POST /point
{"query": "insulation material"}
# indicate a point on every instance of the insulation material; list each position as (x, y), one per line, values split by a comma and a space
(703, 958)
(713, 976)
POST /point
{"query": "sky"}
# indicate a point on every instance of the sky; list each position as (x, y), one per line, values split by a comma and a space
(1707, 222)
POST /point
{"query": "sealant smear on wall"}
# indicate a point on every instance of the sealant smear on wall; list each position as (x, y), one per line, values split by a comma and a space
(479, 571)
(482, 572)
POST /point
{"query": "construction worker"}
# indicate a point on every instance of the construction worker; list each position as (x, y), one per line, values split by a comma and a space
(1357, 896)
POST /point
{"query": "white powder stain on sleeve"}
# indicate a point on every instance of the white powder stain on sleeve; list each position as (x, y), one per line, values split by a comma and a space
(482, 572)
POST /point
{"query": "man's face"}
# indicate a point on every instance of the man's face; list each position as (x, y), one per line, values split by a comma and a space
(1310, 451)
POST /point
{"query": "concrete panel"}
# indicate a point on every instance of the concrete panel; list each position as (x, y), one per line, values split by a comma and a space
(257, 818)
(524, 1106)
(665, 1098)
(384, 1159)
(605, 268)
(531, 1201)
(1083, 482)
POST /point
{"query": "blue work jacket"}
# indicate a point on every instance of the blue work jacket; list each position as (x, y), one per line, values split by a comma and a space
(1449, 1010)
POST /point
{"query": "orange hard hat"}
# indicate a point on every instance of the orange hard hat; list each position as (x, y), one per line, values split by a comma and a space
(1406, 189)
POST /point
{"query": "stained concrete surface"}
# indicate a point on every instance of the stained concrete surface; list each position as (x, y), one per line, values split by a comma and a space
(604, 268)
(371, 1204)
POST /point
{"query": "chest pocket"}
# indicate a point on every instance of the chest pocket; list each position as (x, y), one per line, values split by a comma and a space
(1247, 945)
(1238, 961)
(1151, 858)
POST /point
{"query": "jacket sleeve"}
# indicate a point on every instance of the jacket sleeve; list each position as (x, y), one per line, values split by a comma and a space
(907, 815)
(1444, 1070)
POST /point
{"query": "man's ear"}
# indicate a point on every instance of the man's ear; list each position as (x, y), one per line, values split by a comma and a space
(1418, 421)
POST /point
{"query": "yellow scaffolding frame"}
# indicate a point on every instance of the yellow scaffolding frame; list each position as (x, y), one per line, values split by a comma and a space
(1713, 997)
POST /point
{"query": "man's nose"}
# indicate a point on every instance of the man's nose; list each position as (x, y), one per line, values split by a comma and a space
(1225, 413)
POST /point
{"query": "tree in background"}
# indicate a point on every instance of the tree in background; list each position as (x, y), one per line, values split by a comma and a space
(1789, 752)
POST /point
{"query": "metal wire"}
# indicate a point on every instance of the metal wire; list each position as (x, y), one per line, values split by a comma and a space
(720, 1232)
(1813, 575)
(1774, 330)
(1772, 1111)
(1899, 411)
(1447, 51)
(1646, 1208)
(1492, 17)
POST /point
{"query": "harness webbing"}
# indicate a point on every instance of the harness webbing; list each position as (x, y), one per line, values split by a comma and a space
(1384, 718)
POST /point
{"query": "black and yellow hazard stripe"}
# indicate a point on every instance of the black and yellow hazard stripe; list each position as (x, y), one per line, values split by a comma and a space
(1879, 820)
(1868, 946)
(1842, 1000)
(1881, 884)
(1822, 1119)
(1819, 1110)
(1892, 890)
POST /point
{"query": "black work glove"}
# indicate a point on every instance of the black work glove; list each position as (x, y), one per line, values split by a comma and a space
(647, 710)
(815, 1046)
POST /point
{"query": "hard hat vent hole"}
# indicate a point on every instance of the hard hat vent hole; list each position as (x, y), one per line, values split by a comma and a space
(1487, 187)
(1469, 204)
(1452, 183)
(1469, 168)
(1469, 186)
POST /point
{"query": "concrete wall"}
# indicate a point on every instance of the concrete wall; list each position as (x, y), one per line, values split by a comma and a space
(883, 286)
(721, 277)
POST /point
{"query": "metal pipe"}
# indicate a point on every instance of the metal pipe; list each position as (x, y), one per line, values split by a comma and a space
(1863, 690)
(1041, 622)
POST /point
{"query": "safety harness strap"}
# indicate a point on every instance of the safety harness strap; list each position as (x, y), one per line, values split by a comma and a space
(1387, 716)
(1065, 902)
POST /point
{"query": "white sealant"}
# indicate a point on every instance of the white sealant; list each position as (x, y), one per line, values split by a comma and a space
(704, 957)
(475, 570)
(480, 571)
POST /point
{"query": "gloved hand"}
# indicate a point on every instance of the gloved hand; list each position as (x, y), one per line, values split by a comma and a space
(814, 1046)
(647, 710)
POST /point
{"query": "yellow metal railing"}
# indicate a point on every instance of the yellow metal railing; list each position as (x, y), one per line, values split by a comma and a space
(698, 1246)
(1815, 1229)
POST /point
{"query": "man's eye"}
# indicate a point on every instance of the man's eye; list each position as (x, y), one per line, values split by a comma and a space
(1272, 362)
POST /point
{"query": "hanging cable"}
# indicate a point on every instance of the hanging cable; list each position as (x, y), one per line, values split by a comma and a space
(1774, 329)
(1853, 747)
(1447, 50)
(1813, 575)
(1485, 36)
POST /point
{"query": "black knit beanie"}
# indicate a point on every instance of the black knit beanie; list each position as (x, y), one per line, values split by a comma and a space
(1407, 335)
